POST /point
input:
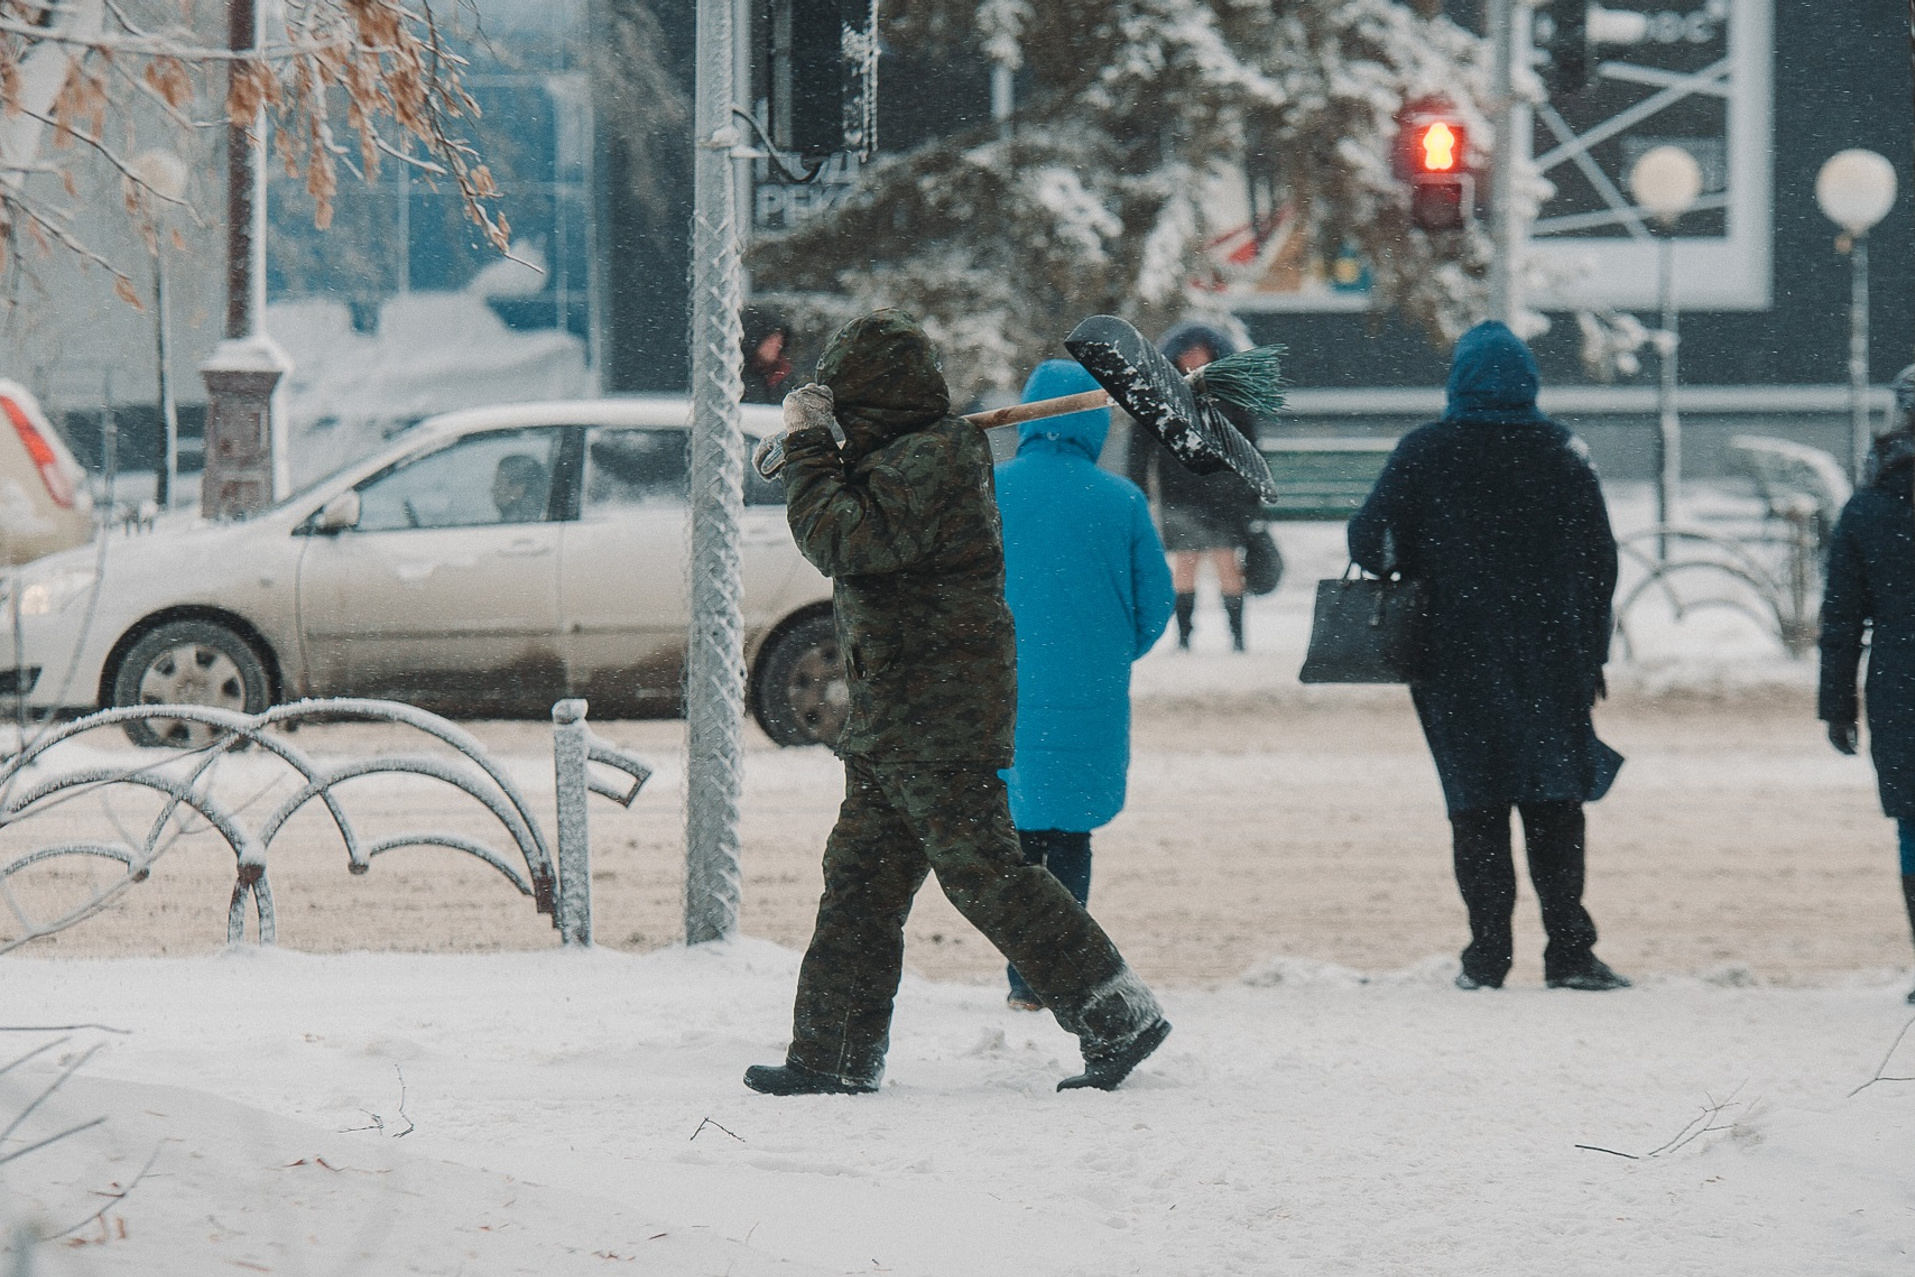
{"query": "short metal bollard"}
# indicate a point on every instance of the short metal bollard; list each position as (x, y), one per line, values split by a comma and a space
(573, 749)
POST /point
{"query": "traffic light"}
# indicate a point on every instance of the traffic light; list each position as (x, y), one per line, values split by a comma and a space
(823, 76)
(1433, 156)
(1569, 32)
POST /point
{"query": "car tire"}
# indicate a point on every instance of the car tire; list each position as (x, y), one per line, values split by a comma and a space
(802, 696)
(189, 662)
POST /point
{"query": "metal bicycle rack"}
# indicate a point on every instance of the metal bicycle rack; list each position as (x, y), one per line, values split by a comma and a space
(31, 786)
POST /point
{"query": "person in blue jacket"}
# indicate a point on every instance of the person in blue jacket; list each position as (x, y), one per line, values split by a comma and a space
(1497, 511)
(1089, 590)
(1871, 586)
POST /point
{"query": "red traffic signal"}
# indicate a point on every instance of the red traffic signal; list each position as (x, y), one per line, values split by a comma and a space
(1432, 155)
(1437, 147)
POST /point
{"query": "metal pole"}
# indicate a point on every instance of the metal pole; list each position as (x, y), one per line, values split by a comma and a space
(570, 748)
(169, 466)
(714, 661)
(1669, 425)
(1860, 430)
(1499, 20)
(245, 202)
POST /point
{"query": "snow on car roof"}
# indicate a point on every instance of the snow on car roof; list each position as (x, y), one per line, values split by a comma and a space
(613, 410)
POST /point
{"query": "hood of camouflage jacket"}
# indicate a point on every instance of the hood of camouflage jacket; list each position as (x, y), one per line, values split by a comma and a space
(885, 381)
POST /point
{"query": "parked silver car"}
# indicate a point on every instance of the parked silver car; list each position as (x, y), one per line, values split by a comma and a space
(488, 562)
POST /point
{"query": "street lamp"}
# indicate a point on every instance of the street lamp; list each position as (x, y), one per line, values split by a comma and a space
(1856, 189)
(1666, 182)
(164, 175)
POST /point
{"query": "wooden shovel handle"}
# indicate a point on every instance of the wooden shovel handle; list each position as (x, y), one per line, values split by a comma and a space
(1058, 407)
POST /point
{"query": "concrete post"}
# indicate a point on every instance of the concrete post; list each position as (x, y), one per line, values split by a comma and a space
(242, 444)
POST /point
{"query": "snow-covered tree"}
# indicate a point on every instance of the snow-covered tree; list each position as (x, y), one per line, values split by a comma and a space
(1091, 199)
(342, 83)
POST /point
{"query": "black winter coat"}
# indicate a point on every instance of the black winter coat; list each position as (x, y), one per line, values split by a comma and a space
(1504, 524)
(1871, 582)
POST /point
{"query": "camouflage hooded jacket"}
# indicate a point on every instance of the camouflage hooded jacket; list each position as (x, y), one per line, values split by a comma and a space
(903, 518)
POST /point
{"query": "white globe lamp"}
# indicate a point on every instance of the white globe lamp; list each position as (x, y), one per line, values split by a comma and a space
(1856, 188)
(1666, 181)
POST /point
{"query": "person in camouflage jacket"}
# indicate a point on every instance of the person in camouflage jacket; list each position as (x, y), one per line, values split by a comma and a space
(903, 517)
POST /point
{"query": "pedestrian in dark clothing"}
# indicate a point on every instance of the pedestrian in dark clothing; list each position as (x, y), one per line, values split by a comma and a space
(767, 350)
(1496, 510)
(1871, 585)
(902, 518)
(1205, 517)
(1087, 586)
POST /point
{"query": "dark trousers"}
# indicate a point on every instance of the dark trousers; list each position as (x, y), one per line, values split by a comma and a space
(899, 822)
(1486, 873)
(1067, 856)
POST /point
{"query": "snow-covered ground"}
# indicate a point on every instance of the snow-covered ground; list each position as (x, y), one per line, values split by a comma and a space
(556, 1112)
(568, 1112)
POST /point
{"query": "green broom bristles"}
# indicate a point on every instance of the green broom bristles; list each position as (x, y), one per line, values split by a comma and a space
(1251, 381)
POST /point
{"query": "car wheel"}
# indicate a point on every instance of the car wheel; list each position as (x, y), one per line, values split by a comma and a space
(802, 696)
(189, 663)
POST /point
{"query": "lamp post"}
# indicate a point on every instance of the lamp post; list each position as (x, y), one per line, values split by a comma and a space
(1856, 189)
(164, 175)
(1666, 182)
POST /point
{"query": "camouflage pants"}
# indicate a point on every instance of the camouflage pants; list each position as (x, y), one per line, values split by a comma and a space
(900, 821)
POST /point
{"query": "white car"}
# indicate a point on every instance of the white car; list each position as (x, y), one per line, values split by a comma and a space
(488, 562)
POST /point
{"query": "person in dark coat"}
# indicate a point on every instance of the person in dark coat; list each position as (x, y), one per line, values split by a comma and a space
(902, 517)
(1496, 510)
(766, 346)
(1204, 517)
(1871, 584)
(1085, 579)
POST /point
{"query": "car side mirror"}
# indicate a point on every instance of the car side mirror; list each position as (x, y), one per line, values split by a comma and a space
(338, 514)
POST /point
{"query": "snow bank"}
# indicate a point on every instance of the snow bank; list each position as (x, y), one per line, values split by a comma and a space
(581, 1112)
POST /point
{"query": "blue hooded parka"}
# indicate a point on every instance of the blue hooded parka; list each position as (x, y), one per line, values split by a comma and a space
(1496, 510)
(1085, 577)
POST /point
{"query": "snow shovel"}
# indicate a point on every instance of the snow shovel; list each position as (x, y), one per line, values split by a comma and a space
(1180, 411)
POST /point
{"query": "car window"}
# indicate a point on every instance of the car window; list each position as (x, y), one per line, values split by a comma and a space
(628, 467)
(625, 467)
(499, 477)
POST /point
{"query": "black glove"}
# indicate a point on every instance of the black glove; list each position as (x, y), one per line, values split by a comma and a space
(1843, 736)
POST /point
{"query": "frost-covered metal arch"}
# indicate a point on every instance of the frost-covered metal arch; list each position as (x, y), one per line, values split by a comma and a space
(468, 770)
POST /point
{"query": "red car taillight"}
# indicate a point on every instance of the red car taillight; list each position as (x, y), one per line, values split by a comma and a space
(59, 486)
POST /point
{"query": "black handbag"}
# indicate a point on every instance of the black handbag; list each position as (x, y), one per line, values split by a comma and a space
(1262, 561)
(1366, 630)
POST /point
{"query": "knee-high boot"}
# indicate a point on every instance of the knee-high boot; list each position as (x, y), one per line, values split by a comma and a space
(1186, 614)
(1233, 609)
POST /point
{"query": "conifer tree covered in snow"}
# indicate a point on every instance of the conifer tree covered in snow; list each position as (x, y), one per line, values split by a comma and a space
(1091, 199)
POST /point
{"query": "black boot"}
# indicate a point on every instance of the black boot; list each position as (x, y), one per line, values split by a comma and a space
(1908, 898)
(796, 1079)
(1103, 1070)
(1233, 608)
(1186, 612)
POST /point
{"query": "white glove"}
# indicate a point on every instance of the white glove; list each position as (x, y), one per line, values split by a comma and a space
(809, 408)
(806, 408)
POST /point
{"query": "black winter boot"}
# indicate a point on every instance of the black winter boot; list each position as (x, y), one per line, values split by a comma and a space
(1908, 898)
(1186, 613)
(1233, 608)
(1103, 1070)
(796, 1079)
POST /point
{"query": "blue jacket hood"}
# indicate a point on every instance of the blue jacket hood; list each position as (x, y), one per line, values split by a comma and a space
(1082, 431)
(1493, 378)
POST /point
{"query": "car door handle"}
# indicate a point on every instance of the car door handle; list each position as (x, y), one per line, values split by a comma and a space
(526, 549)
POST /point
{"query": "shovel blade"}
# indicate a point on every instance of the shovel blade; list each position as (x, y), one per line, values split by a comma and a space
(1150, 389)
